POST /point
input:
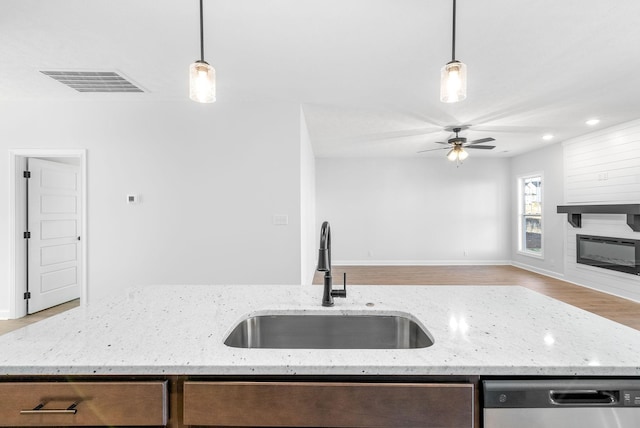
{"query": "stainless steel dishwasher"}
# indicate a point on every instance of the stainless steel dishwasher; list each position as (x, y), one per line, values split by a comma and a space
(567, 403)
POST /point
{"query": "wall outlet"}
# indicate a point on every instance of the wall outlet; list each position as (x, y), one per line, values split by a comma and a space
(280, 219)
(133, 198)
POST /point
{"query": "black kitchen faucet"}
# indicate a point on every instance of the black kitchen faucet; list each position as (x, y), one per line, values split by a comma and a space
(324, 265)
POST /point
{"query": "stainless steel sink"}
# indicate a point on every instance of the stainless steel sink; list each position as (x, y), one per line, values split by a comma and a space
(303, 331)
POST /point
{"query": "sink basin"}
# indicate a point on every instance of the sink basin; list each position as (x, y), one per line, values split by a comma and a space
(305, 331)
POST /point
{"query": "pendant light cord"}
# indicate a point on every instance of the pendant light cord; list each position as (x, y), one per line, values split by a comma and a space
(202, 34)
(453, 36)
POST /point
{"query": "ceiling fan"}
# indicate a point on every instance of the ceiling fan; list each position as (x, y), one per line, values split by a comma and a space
(457, 144)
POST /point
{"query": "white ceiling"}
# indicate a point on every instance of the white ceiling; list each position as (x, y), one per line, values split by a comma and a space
(366, 71)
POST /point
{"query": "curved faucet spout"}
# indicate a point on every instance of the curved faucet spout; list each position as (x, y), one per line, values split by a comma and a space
(324, 265)
(324, 254)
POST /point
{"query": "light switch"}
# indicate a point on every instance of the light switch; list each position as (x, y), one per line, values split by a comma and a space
(132, 199)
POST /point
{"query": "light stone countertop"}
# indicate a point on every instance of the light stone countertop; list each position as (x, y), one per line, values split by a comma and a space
(179, 330)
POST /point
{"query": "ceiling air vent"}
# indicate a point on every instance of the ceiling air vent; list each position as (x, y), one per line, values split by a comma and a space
(93, 81)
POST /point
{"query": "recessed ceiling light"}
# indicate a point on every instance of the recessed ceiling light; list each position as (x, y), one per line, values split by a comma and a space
(592, 122)
(547, 137)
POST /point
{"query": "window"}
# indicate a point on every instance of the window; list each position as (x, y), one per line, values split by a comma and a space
(530, 215)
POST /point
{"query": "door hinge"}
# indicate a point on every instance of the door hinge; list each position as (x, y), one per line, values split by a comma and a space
(27, 295)
(26, 174)
(27, 235)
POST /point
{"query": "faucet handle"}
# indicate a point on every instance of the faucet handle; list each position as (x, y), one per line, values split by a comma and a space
(343, 292)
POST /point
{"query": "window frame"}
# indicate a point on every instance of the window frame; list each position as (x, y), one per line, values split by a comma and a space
(521, 222)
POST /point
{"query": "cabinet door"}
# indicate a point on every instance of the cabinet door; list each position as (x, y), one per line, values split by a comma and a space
(83, 403)
(310, 404)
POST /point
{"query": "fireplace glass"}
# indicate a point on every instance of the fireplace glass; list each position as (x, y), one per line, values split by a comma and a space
(609, 253)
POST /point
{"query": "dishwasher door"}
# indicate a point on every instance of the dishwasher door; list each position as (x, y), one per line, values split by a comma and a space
(566, 403)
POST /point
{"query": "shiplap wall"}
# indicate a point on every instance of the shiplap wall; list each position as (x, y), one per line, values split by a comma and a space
(603, 168)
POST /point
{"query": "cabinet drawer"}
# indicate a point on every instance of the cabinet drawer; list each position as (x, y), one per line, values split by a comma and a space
(310, 404)
(96, 403)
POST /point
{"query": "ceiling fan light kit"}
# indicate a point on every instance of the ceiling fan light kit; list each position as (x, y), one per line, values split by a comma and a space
(458, 144)
(202, 76)
(457, 154)
(453, 76)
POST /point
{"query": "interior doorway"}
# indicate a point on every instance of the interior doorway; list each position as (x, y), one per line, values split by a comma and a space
(53, 266)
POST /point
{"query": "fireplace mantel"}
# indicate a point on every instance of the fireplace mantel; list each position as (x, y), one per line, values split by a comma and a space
(574, 213)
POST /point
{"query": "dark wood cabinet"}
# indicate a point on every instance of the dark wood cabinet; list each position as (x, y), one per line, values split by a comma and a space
(182, 402)
(328, 404)
(68, 403)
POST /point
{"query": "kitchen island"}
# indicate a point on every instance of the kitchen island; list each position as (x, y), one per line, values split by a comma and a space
(477, 330)
(175, 335)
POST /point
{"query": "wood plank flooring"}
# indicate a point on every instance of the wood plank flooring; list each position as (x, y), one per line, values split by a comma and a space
(614, 308)
(9, 325)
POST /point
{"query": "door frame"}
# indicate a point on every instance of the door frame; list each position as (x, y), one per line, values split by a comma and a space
(18, 223)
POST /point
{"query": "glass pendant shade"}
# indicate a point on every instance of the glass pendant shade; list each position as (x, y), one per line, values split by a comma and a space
(453, 82)
(457, 154)
(202, 82)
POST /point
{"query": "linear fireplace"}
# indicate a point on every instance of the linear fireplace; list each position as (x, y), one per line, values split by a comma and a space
(605, 252)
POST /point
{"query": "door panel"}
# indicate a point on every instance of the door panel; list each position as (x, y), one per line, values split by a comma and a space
(54, 223)
(52, 229)
(58, 204)
(55, 280)
(58, 254)
(52, 179)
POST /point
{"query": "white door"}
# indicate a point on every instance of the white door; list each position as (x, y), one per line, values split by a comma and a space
(53, 211)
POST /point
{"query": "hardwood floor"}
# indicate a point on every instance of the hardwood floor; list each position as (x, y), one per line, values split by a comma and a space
(9, 325)
(614, 308)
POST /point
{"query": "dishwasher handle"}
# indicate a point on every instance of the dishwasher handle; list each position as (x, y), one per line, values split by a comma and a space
(572, 397)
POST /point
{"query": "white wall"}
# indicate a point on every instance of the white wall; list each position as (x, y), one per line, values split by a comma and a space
(415, 211)
(603, 168)
(210, 178)
(550, 162)
(307, 205)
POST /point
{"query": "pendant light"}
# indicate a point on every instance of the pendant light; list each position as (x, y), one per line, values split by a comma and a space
(202, 77)
(453, 76)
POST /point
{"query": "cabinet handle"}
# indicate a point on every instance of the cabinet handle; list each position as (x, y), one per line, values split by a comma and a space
(38, 410)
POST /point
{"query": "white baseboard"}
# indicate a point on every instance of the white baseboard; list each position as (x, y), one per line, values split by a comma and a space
(563, 278)
(544, 272)
(4, 315)
(420, 262)
(606, 291)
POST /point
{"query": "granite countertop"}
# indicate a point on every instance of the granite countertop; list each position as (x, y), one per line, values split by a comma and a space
(179, 330)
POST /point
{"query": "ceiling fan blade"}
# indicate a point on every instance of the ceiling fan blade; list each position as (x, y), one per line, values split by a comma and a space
(431, 150)
(441, 142)
(480, 147)
(482, 140)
